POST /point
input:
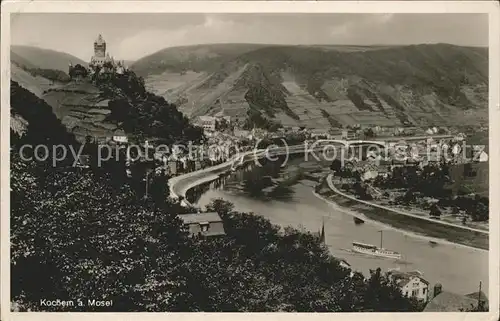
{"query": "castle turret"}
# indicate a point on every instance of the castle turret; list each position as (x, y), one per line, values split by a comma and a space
(438, 288)
(99, 47)
(100, 56)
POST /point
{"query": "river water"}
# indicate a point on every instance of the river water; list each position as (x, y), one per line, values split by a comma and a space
(459, 269)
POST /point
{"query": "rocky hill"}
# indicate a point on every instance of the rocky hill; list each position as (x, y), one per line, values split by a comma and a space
(115, 105)
(33, 117)
(324, 86)
(79, 106)
(34, 83)
(83, 109)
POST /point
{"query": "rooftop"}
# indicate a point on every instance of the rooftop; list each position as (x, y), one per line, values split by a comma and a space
(450, 302)
(100, 40)
(206, 118)
(402, 278)
(476, 295)
(200, 217)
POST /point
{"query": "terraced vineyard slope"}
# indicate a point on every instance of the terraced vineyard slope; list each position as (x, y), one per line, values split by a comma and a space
(325, 86)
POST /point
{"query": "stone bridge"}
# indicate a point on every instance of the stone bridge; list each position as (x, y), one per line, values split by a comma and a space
(179, 185)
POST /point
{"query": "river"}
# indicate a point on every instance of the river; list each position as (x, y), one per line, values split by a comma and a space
(459, 269)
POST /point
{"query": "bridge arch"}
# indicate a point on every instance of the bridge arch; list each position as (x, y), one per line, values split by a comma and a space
(366, 142)
(342, 142)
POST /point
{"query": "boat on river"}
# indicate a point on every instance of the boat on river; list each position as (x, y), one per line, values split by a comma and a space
(373, 250)
(358, 221)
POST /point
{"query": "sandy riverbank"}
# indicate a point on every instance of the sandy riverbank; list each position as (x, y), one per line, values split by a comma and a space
(354, 213)
(430, 229)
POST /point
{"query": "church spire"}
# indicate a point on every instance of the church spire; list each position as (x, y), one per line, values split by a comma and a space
(322, 234)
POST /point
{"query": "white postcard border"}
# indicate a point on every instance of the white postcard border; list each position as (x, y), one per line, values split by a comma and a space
(490, 7)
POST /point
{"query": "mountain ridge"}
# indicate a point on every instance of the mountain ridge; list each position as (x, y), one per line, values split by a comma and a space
(36, 57)
(319, 86)
(426, 84)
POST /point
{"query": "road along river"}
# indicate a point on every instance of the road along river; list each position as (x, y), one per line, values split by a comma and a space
(459, 269)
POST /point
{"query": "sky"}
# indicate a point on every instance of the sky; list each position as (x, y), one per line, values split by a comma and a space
(130, 36)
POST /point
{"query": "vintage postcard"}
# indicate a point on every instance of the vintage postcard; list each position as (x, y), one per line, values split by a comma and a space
(274, 157)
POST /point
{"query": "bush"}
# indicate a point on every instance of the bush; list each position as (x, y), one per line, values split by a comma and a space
(435, 211)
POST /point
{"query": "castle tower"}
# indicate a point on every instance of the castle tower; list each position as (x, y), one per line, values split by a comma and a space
(100, 56)
(100, 47)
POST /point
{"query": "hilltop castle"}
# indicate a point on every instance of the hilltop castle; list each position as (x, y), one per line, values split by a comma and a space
(100, 57)
(100, 63)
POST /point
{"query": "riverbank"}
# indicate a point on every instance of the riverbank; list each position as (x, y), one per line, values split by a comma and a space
(405, 222)
(179, 185)
(436, 231)
(446, 262)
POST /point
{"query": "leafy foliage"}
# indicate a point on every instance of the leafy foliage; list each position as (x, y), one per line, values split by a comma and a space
(51, 74)
(257, 120)
(434, 181)
(43, 126)
(144, 114)
(88, 240)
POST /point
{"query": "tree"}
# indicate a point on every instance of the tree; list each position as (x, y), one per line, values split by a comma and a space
(88, 238)
(336, 165)
(435, 211)
(382, 294)
(369, 133)
(145, 114)
(409, 197)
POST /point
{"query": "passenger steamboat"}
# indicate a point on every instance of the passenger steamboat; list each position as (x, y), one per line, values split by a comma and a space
(374, 250)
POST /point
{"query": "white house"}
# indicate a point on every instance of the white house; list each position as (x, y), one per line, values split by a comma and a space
(120, 139)
(456, 149)
(460, 137)
(479, 154)
(206, 224)
(206, 122)
(370, 174)
(412, 284)
(483, 157)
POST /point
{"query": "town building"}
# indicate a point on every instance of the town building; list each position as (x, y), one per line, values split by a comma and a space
(460, 137)
(412, 284)
(77, 72)
(206, 224)
(83, 161)
(206, 122)
(399, 131)
(318, 133)
(343, 263)
(197, 165)
(120, 139)
(444, 301)
(478, 154)
(369, 174)
(346, 135)
(172, 167)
